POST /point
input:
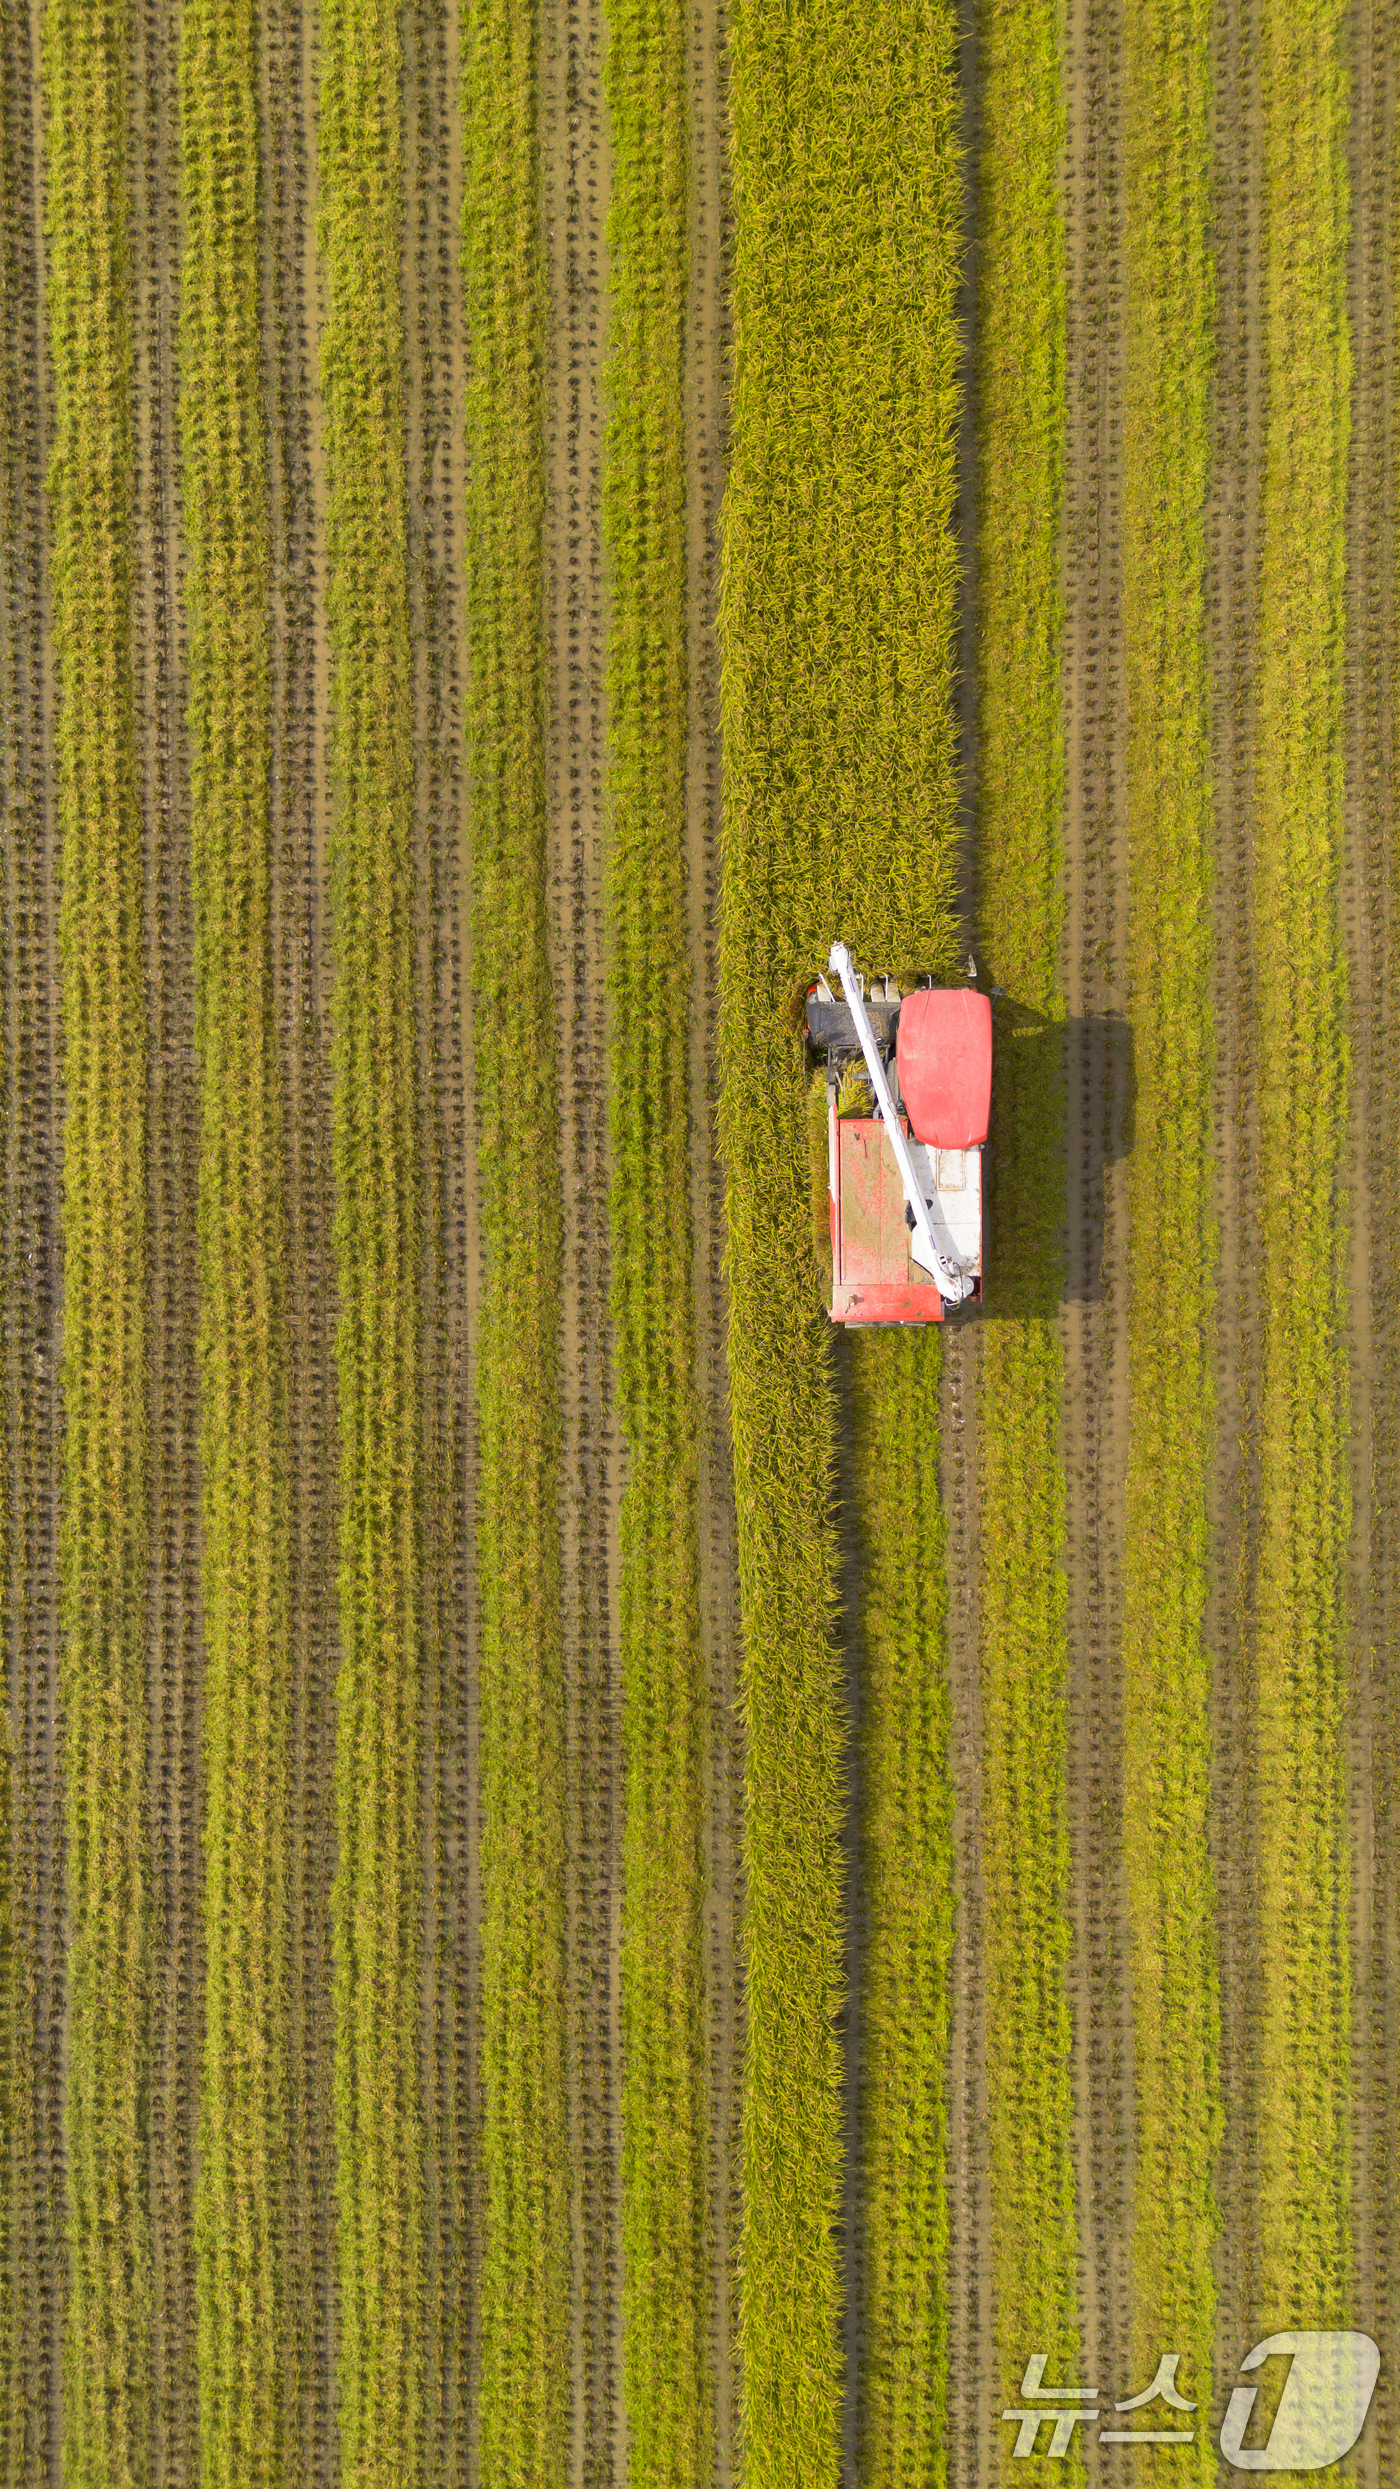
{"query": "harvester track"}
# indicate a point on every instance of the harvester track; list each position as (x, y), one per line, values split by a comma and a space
(707, 352)
(972, 2386)
(576, 188)
(31, 1291)
(174, 1645)
(1097, 1101)
(301, 985)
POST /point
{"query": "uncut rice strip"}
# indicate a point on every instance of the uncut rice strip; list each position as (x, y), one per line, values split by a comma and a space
(107, 2349)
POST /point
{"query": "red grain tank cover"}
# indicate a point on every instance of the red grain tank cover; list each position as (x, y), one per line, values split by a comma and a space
(945, 1066)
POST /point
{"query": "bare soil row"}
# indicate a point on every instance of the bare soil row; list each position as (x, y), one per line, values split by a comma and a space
(433, 334)
(1098, 1077)
(574, 145)
(707, 347)
(299, 797)
(174, 1645)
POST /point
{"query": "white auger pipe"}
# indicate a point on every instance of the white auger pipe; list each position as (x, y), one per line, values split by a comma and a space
(952, 1284)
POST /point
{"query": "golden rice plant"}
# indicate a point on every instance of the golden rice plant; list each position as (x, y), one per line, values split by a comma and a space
(837, 619)
(103, 1544)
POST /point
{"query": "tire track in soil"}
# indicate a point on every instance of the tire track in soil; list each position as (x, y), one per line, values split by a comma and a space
(31, 1281)
(433, 334)
(707, 366)
(971, 2427)
(850, 1631)
(1369, 903)
(576, 186)
(972, 2420)
(300, 935)
(1095, 1318)
(1232, 552)
(174, 1648)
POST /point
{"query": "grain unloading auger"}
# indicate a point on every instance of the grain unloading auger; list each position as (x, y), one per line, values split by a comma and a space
(908, 1093)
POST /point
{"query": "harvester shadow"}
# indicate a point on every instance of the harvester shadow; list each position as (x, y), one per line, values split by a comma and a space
(1064, 1102)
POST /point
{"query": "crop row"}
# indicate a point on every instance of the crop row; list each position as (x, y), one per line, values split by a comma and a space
(377, 1897)
(1025, 1841)
(524, 2292)
(1303, 2085)
(666, 2294)
(246, 2354)
(836, 640)
(105, 1471)
(1166, 1666)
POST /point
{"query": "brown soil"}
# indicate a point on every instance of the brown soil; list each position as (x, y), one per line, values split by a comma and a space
(464, 1288)
(851, 1632)
(433, 336)
(576, 186)
(299, 952)
(1097, 1102)
(707, 358)
(1232, 555)
(174, 1643)
(31, 1292)
(1369, 902)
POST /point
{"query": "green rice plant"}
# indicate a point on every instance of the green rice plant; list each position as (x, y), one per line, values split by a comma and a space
(907, 1858)
(1303, 2080)
(246, 2356)
(666, 2282)
(377, 1917)
(107, 2338)
(1025, 1839)
(523, 2398)
(836, 631)
(1166, 1667)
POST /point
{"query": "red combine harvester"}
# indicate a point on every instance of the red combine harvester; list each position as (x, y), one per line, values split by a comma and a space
(908, 1091)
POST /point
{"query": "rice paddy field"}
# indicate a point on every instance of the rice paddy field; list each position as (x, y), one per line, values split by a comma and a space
(603, 1886)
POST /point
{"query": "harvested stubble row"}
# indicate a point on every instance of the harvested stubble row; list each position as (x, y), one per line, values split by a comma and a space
(906, 1851)
(246, 2354)
(1169, 305)
(104, 1529)
(1025, 1838)
(377, 1900)
(1302, 2090)
(666, 2302)
(839, 800)
(523, 2412)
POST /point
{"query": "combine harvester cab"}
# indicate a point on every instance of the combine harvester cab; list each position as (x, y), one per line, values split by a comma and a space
(905, 1178)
